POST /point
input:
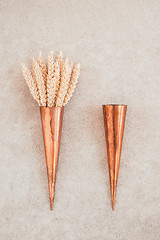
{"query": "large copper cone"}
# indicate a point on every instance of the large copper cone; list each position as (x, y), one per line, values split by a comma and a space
(51, 126)
(114, 121)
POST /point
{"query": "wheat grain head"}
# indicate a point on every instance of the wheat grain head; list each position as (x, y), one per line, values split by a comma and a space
(72, 84)
(30, 82)
(43, 68)
(40, 83)
(50, 83)
(65, 77)
(57, 74)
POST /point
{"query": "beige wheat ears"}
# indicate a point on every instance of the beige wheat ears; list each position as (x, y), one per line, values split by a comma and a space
(40, 83)
(72, 85)
(64, 82)
(43, 68)
(30, 82)
(55, 87)
(50, 82)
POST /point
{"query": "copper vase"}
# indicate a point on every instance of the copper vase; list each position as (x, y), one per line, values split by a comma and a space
(51, 118)
(114, 122)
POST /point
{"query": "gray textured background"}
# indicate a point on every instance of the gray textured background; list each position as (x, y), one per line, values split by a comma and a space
(118, 46)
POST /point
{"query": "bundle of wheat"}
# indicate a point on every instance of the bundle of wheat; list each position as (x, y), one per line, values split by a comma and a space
(53, 87)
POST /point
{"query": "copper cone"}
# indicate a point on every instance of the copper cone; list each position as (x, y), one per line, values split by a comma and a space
(51, 126)
(114, 121)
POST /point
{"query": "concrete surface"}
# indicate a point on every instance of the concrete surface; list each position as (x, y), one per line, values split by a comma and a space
(118, 46)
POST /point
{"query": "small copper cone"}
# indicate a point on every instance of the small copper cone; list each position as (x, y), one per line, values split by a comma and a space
(114, 121)
(51, 126)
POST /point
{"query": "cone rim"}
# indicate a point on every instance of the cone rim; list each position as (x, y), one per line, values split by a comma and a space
(114, 105)
(50, 107)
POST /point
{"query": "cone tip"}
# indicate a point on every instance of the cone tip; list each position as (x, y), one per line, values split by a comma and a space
(51, 204)
(113, 201)
(112, 205)
(51, 198)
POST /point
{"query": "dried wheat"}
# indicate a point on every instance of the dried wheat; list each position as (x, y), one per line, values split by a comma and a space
(57, 74)
(65, 77)
(72, 84)
(56, 80)
(30, 82)
(56, 87)
(40, 83)
(50, 83)
(60, 58)
(43, 68)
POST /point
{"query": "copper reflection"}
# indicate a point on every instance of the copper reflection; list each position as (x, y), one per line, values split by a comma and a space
(114, 121)
(51, 126)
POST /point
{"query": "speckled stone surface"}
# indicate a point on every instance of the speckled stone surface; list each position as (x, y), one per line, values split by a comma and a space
(118, 46)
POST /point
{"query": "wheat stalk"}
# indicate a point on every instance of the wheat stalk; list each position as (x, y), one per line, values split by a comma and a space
(33, 72)
(30, 82)
(56, 81)
(60, 58)
(58, 70)
(50, 82)
(43, 68)
(72, 84)
(65, 77)
(40, 83)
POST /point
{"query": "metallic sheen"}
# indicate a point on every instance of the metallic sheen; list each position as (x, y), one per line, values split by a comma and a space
(114, 121)
(51, 118)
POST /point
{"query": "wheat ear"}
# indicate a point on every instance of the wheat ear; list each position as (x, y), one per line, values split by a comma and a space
(30, 82)
(43, 68)
(65, 77)
(40, 83)
(72, 84)
(50, 82)
(33, 72)
(56, 81)
(60, 58)
(57, 74)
